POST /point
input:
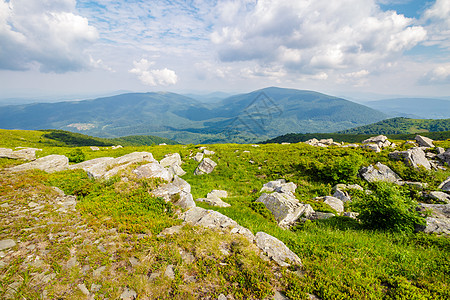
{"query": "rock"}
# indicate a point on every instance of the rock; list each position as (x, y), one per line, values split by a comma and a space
(128, 294)
(222, 297)
(82, 287)
(205, 167)
(198, 157)
(379, 172)
(208, 152)
(214, 198)
(169, 273)
(285, 207)
(279, 296)
(439, 221)
(381, 141)
(171, 159)
(440, 150)
(373, 147)
(327, 142)
(208, 218)
(94, 148)
(97, 272)
(318, 215)
(437, 210)
(186, 200)
(134, 261)
(440, 196)
(96, 287)
(176, 170)
(217, 193)
(154, 276)
(7, 243)
(85, 165)
(334, 203)
(5, 153)
(116, 147)
(413, 157)
(415, 185)
(342, 195)
(423, 141)
(170, 191)
(445, 185)
(277, 250)
(187, 257)
(25, 154)
(279, 186)
(351, 214)
(50, 164)
(181, 184)
(153, 170)
(170, 230)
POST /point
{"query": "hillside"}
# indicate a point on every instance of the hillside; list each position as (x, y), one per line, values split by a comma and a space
(401, 126)
(66, 235)
(423, 108)
(248, 117)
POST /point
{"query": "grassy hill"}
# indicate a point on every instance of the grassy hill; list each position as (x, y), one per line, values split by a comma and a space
(111, 242)
(249, 117)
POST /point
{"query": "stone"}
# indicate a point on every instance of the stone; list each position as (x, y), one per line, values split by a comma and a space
(176, 170)
(128, 294)
(351, 214)
(98, 271)
(94, 148)
(440, 196)
(380, 140)
(154, 276)
(5, 153)
(438, 221)
(445, 185)
(50, 164)
(205, 167)
(222, 297)
(153, 170)
(208, 218)
(285, 207)
(214, 198)
(437, 210)
(280, 186)
(170, 230)
(181, 184)
(279, 296)
(6, 244)
(423, 141)
(276, 250)
(379, 172)
(413, 157)
(342, 195)
(440, 150)
(217, 193)
(85, 165)
(134, 261)
(198, 157)
(25, 154)
(82, 287)
(208, 152)
(373, 147)
(171, 159)
(169, 273)
(318, 215)
(186, 200)
(116, 147)
(334, 203)
(187, 257)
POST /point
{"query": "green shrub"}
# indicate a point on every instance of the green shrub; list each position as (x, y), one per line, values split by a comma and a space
(76, 156)
(387, 208)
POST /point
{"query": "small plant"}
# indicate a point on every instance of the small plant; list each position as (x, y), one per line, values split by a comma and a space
(387, 208)
(76, 156)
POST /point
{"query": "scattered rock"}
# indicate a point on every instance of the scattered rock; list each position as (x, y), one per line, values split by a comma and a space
(154, 276)
(333, 202)
(424, 141)
(96, 287)
(217, 193)
(171, 159)
(134, 261)
(279, 296)
(439, 221)
(187, 257)
(98, 271)
(445, 185)
(25, 154)
(351, 214)
(379, 172)
(169, 273)
(153, 170)
(170, 230)
(205, 167)
(208, 152)
(214, 198)
(82, 287)
(373, 147)
(94, 148)
(413, 157)
(285, 207)
(440, 196)
(279, 186)
(186, 200)
(222, 297)
(176, 170)
(50, 164)
(128, 294)
(116, 147)
(341, 195)
(198, 157)
(318, 215)
(7, 243)
(277, 250)
(380, 140)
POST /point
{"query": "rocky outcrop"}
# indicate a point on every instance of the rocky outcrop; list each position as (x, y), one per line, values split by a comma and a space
(171, 159)
(25, 153)
(153, 170)
(205, 167)
(445, 185)
(445, 157)
(413, 157)
(379, 172)
(333, 202)
(276, 250)
(198, 157)
(50, 163)
(381, 141)
(439, 196)
(214, 198)
(439, 221)
(373, 147)
(285, 207)
(279, 186)
(423, 141)
(178, 192)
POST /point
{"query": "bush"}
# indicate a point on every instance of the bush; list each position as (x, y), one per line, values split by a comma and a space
(76, 156)
(387, 208)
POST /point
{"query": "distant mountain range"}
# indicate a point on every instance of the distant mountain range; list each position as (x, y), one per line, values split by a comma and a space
(421, 108)
(249, 117)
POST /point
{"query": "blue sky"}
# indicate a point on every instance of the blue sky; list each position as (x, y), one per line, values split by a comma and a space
(368, 48)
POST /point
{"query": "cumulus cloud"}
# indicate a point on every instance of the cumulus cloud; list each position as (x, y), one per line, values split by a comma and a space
(438, 75)
(153, 77)
(313, 36)
(437, 20)
(44, 33)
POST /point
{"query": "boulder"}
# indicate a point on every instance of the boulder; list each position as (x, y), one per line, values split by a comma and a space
(208, 152)
(208, 218)
(423, 141)
(153, 170)
(381, 141)
(205, 167)
(214, 198)
(198, 157)
(333, 202)
(50, 163)
(440, 150)
(85, 165)
(373, 147)
(413, 157)
(285, 207)
(318, 215)
(280, 186)
(445, 185)
(178, 191)
(25, 154)
(217, 193)
(379, 172)
(342, 195)
(276, 250)
(5, 153)
(440, 196)
(94, 148)
(186, 200)
(171, 159)
(445, 157)
(176, 170)
(181, 184)
(439, 221)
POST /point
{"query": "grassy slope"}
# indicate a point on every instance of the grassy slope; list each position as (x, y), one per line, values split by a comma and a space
(341, 260)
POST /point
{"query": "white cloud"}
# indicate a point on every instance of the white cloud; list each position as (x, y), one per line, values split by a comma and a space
(437, 22)
(438, 75)
(153, 77)
(46, 33)
(312, 36)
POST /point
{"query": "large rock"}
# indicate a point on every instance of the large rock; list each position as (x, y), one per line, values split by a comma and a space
(381, 141)
(176, 170)
(277, 250)
(373, 147)
(440, 196)
(445, 185)
(85, 165)
(205, 167)
(424, 141)
(25, 154)
(285, 207)
(178, 192)
(280, 186)
(50, 163)
(214, 198)
(153, 170)
(198, 157)
(439, 221)
(445, 156)
(379, 172)
(171, 159)
(413, 157)
(333, 202)
(186, 200)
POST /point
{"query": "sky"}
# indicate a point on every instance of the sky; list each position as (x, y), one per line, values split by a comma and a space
(362, 49)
